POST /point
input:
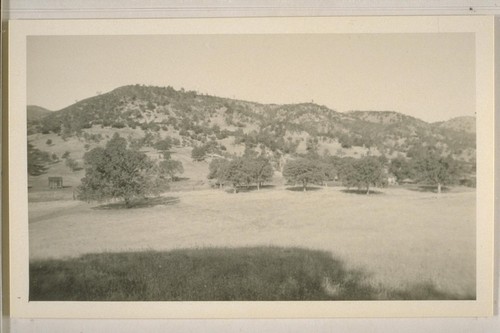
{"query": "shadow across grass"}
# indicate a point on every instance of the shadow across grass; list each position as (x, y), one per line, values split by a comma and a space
(361, 192)
(180, 179)
(301, 189)
(428, 188)
(140, 203)
(209, 274)
(251, 188)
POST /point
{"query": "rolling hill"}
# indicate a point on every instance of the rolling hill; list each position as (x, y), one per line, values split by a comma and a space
(35, 113)
(148, 114)
(460, 124)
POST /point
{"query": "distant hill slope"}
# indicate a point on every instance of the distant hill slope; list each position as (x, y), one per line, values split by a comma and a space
(230, 125)
(35, 112)
(385, 117)
(465, 124)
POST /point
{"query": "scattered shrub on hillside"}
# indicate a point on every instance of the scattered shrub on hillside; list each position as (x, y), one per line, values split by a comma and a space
(199, 153)
(169, 169)
(118, 124)
(72, 164)
(149, 139)
(48, 142)
(166, 155)
(50, 124)
(162, 145)
(135, 144)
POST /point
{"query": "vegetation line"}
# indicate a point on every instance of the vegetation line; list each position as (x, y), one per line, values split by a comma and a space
(211, 274)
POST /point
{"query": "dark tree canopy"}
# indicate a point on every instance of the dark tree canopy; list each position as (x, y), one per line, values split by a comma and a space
(118, 172)
(169, 169)
(363, 173)
(163, 145)
(402, 168)
(329, 170)
(199, 153)
(236, 173)
(72, 164)
(259, 170)
(37, 160)
(304, 171)
(437, 170)
(217, 169)
(246, 170)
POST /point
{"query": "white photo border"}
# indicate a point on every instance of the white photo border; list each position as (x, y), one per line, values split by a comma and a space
(20, 306)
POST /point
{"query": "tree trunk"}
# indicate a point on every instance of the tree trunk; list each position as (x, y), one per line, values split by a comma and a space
(367, 190)
(258, 186)
(439, 188)
(127, 202)
(304, 186)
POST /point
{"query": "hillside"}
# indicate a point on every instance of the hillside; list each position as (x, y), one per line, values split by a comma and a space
(460, 124)
(146, 114)
(35, 113)
(385, 117)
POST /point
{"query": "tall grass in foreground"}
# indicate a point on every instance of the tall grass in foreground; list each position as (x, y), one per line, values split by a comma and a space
(209, 274)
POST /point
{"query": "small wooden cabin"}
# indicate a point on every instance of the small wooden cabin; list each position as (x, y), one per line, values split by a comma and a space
(55, 182)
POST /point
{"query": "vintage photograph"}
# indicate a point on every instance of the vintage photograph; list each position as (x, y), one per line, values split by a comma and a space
(251, 167)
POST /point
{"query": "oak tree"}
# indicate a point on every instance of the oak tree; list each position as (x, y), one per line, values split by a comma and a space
(304, 171)
(436, 169)
(364, 173)
(118, 172)
(258, 169)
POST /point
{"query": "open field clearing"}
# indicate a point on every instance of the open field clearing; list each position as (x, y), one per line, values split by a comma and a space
(398, 237)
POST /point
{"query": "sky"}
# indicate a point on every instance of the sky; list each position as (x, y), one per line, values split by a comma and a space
(427, 76)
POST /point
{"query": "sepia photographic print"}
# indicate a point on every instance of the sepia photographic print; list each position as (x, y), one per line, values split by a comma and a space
(258, 166)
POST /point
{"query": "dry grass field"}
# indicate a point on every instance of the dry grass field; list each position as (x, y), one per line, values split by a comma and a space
(399, 237)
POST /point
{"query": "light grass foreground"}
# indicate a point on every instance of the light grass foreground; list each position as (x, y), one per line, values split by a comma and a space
(398, 238)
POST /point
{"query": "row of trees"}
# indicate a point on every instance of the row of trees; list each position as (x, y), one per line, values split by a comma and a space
(117, 171)
(361, 173)
(369, 171)
(257, 169)
(246, 170)
(427, 167)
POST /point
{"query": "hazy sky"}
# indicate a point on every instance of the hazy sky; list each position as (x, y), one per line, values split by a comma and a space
(428, 76)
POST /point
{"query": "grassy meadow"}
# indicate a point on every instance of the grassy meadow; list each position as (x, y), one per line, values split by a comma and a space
(276, 243)
(222, 274)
